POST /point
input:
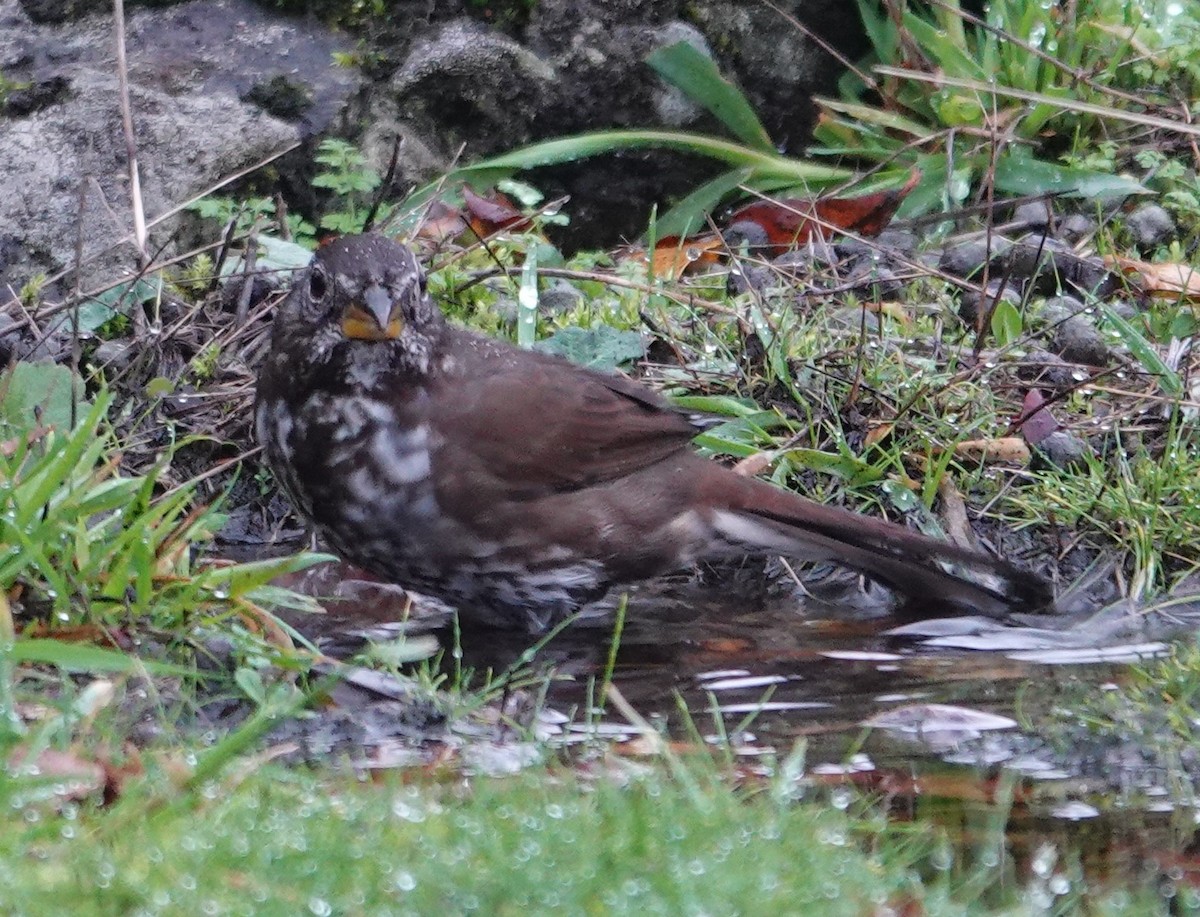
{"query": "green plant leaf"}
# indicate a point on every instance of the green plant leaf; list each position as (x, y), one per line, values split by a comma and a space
(240, 580)
(1145, 353)
(689, 214)
(763, 164)
(1006, 323)
(843, 465)
(83, 657)
(44, 386)
(603, 347)
(1019, 173)
(119, 300)
(696, 74)
(868, 114)
(527, 300)
(274, 254)
(723, 405)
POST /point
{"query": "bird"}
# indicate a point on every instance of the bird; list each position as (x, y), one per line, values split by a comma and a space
(520, 488)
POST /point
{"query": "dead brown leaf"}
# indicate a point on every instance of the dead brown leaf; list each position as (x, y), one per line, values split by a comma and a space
(1169, 280)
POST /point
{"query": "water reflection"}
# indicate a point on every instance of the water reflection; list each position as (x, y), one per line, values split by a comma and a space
(761, 669)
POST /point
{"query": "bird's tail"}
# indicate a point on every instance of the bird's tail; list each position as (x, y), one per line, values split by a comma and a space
(932, 574)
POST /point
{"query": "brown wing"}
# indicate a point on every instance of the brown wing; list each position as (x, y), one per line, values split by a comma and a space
(576, 428)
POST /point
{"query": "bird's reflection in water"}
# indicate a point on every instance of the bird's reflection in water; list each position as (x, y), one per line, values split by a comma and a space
(737, 638)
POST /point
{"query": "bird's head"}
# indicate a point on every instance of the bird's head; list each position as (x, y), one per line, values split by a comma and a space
(363, 294)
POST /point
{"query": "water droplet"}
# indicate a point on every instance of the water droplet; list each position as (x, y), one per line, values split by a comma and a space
(405, 882)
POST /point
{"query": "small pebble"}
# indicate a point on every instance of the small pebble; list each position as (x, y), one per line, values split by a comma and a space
(1061, 449)
(1075, 227)
(1077, 340)
(1150, 226)
(966, 259)
(971, 304)
(1034, 214)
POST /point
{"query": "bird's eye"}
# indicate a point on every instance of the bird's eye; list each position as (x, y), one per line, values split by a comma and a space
(316, 286)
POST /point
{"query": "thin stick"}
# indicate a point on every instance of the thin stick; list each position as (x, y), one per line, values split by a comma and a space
(135, 184)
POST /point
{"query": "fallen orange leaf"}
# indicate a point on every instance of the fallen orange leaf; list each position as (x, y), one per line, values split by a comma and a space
(1168, 280)
(674, 257)
(1003, 449)
(793, 221)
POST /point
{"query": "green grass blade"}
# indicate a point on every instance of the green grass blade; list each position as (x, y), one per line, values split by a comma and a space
(688, 215)
(1019, 173)
(583, 146)
(1145, 353)
(82, 657)
(696, 74)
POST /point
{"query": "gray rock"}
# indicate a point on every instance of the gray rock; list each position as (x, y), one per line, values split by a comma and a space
(1061, 449)
(776, 65)
(966, 259)
(815, 255)
(874, 280)
(501, 84)
(672, 106)
(1092, 276)
(187, 66)
(746, 276)
(1047, 370)
(559, 296)
(1075, 227)
(115, 355)
(1057, 308)
(1077, 340)
(854, 318)
(971, 304)
(1034, 214)
(890, 241)
(1149, 226)
(1043, 264)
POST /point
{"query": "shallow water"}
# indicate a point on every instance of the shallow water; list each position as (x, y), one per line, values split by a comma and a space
(938, 733)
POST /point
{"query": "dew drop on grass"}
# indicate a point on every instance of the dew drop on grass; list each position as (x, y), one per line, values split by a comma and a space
(834, 837)
(320, 907)
(841, 798)
(1059, 884)
(942, 857)
(405, 881)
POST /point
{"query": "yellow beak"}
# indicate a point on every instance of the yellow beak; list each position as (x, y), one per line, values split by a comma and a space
(374, 317)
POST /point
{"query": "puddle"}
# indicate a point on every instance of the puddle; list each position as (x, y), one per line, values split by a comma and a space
(932, 729)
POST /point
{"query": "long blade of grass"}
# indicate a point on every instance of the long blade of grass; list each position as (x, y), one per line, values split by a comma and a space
(82, 657)
(1038, 98)
(696, 74)
(1019, 173)
(1145, 353)
(582, 146)
(687, 216)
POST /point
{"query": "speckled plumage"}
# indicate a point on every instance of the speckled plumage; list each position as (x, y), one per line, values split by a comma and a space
(519, 487)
